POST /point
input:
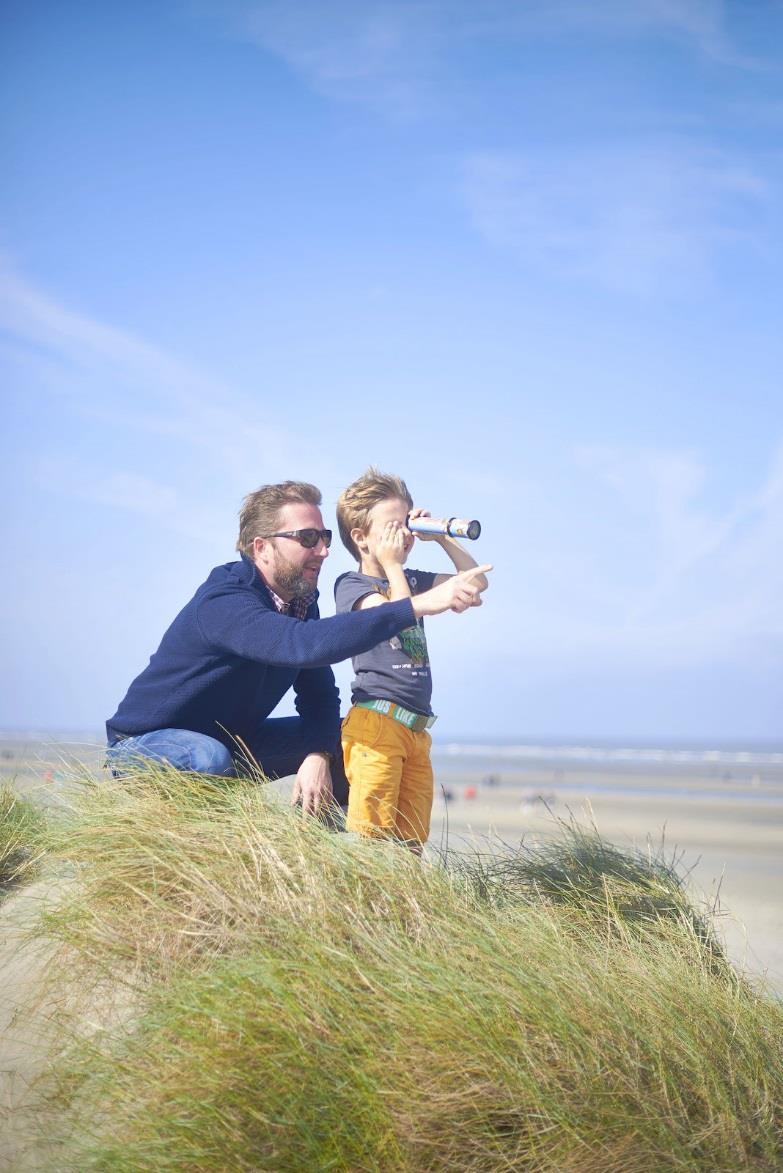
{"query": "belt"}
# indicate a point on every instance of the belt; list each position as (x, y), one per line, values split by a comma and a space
(416, 722)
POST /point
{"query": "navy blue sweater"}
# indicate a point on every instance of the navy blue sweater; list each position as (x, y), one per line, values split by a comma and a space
(229, 657)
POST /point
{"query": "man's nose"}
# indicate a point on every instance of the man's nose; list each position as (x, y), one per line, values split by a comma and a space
(322, 550)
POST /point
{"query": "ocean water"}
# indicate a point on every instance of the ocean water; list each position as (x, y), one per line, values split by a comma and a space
(588, 766)
(709, 772)
(606, 754)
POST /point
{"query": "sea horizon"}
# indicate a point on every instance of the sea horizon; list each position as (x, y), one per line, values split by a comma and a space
(574, 750)
(635, 741)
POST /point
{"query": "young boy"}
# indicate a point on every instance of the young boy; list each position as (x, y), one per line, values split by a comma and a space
(385, 740)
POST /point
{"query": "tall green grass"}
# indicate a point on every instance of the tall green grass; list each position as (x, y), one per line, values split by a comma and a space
(626, 890)
(302, 1000)
(21, 829)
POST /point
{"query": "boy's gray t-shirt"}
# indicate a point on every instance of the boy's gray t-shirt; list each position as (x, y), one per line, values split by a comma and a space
(399, 668)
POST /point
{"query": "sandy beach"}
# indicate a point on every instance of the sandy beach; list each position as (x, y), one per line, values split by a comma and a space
(725, 828)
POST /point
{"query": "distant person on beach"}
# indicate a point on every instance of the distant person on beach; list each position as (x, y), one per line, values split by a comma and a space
(251, 633)
(385, 740)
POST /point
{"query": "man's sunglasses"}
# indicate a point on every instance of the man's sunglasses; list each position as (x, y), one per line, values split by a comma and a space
(309, 538)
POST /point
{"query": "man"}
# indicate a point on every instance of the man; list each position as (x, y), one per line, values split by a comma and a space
(250, 633)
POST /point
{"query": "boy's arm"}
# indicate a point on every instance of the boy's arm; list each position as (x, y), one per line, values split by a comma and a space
(390, 552)
(457, 553)
(449, 592)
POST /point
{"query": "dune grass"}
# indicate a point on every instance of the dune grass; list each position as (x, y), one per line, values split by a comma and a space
(629, 889)
(21, 830)
(303, 1000)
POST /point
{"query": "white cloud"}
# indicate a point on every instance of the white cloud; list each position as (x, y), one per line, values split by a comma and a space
(631, 218)
(115, 379)
(700, 23)
(714, 578)
(168, 509)
(30, 315)
(388, 53)
(137, 493)
(119, 490)
(641, 569)
(662, 489)
(381, 54)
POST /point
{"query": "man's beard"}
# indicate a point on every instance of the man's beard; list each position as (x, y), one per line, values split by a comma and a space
(290, 578)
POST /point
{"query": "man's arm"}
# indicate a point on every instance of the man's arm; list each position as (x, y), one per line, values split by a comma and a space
(318, 704)
(313, 784)
(457, 592)
(238, 622)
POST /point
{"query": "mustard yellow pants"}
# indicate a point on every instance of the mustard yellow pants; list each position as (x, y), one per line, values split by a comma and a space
(390, 777)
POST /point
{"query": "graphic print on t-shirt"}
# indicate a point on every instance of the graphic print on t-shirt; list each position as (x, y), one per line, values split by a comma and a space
(412, 640)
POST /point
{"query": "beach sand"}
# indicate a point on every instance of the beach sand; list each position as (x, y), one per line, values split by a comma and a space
(29, 1013)
(730, 847)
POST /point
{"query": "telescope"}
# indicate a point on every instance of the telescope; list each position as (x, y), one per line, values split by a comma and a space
(455, 527)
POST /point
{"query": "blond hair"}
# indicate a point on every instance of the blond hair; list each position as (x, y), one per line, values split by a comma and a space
(355, 503)
(260, 510)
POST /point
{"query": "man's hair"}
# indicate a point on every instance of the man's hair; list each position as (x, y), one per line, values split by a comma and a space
(355, 503)
(260, 511)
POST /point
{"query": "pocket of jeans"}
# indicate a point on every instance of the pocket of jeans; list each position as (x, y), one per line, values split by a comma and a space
(364, 725)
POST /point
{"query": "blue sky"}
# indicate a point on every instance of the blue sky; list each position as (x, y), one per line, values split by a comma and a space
(527, 255)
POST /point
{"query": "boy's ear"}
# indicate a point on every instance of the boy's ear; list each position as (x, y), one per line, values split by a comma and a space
(359, 539)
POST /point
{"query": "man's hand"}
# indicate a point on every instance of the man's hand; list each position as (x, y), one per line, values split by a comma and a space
(313, 784)
(457, 593)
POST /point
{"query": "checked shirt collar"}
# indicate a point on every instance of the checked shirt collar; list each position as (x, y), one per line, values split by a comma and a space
(297, 608)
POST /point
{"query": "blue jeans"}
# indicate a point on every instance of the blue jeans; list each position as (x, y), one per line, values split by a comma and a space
(277, 748)
(181, 748)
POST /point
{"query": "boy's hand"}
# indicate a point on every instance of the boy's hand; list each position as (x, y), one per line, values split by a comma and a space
(392, 547)
(414, 513)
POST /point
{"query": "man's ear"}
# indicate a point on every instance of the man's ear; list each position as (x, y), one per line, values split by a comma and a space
(259, 545)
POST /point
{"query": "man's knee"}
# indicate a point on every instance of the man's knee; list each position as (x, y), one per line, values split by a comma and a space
(214, 759)
(180, 748)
